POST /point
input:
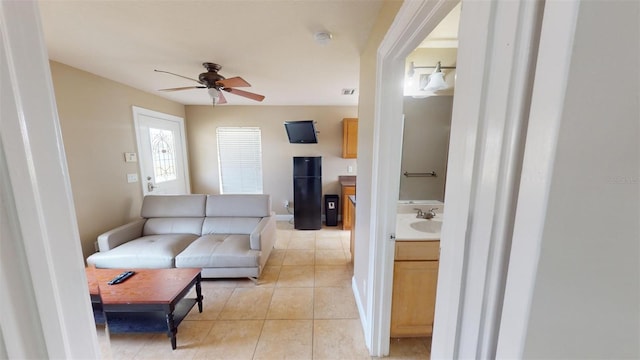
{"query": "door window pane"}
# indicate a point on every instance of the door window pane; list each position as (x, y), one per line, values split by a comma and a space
(163, 154)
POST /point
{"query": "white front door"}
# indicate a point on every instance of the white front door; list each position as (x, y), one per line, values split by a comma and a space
(162, 152)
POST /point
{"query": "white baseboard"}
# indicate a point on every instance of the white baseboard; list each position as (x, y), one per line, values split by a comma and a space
(363, 315)
(284, 217)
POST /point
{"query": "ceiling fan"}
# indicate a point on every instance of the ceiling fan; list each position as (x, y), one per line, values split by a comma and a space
(216, 83)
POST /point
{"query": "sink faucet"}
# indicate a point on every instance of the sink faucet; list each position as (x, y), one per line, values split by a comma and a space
(426, 214)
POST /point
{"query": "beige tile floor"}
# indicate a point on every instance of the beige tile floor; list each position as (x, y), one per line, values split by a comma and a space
(301, 308)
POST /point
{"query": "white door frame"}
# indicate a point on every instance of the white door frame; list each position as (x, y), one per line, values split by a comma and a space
(43, 286)
(490, 112)
(547, 105)
(413, 22)
(137, 111)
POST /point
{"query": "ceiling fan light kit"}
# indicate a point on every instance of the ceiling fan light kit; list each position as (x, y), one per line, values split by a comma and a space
(216, 83)
(216, 96)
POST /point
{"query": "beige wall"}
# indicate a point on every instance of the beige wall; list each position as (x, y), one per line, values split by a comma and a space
(366, 109)
(97, 128)
(277, 152)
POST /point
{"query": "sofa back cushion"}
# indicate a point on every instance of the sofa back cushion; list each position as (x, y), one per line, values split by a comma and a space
(173, 214)
(245, 205)
(229, 225)
(163, 206)
(175, 225)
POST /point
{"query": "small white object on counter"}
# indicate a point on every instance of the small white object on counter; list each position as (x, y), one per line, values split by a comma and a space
(406, 232)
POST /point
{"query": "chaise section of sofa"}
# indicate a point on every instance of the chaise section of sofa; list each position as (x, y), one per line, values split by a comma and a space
(225, 235)
(238, 234)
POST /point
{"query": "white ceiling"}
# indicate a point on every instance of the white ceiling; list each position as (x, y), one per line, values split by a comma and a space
(269, 43)
(445, 35)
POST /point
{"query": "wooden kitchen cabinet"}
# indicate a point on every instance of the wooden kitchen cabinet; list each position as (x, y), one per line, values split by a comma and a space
(350, 138)
(415, 278)
(352, 237)
(347, 210)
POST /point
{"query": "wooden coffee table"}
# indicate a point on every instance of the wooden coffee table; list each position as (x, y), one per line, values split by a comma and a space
(152, 300)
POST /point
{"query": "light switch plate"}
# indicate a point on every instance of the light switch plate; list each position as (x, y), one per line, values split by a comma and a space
(131, 178)
(130, 157)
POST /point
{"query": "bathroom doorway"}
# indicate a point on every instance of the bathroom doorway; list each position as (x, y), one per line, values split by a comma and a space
(429, 86)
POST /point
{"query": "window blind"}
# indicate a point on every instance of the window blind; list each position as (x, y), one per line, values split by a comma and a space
(240, 160)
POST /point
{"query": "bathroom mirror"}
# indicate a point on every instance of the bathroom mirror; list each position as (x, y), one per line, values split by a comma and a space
(427, 123)
(427, 113)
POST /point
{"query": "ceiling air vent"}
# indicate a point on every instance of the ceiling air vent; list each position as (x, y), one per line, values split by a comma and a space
(348, 91)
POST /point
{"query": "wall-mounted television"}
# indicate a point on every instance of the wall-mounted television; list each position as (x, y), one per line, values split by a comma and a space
(301, 132)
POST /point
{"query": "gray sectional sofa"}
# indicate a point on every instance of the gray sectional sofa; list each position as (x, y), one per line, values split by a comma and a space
(225, 235)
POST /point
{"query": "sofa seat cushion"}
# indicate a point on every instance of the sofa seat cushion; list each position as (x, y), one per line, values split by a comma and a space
(150, 252)
(219, 251)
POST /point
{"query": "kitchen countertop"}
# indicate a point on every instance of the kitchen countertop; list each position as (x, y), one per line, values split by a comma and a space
(404, 231)
(347, 180)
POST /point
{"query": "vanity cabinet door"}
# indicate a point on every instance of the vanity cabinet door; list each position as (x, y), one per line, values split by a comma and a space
(415, 279)
(414, 298)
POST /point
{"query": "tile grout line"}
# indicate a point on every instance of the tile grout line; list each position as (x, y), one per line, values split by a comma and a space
(264, 322)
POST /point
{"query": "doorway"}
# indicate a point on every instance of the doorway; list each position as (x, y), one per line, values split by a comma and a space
(163, 155)
(496, 68)
(429, 87)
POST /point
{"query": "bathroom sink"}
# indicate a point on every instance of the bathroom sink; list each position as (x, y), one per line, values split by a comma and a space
(427, 226)
(410, 228)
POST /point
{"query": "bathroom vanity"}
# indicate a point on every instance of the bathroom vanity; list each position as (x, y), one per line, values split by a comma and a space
(415, 275)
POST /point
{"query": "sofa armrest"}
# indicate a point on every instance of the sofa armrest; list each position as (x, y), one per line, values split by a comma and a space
(120, 235)
(264, 234)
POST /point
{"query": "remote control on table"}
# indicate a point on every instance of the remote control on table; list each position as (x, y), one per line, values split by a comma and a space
(122, 277)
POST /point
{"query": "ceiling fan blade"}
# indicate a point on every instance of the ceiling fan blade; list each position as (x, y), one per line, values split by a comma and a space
(221, 98)
(250, 95)
(236, 81)
(184, 77)
(183, 88)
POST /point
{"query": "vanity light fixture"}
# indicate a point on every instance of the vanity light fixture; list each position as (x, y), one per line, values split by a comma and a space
(435, 81)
